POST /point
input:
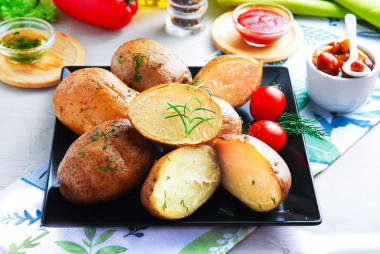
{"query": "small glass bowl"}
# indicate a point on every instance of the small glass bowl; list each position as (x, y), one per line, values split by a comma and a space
(257, 37)
(186, 17)
(16, 26)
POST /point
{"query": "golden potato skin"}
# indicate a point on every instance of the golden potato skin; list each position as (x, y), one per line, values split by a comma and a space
(143, 63)
(90, 96)
(252, 171)
(233, 78)
(231, 121)
(109, 161)
(180, 182)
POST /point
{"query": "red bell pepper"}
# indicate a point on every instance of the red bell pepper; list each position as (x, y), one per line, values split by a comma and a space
(110, 14)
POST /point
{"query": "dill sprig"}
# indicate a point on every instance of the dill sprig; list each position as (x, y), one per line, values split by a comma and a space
(187, 117)
(294, 125)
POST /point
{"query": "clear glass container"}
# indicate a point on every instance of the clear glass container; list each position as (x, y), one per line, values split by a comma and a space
(25, 40)
(186, 17)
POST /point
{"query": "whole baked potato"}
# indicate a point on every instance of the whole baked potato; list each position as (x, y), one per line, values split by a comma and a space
(110, 160)
(90, 96)
(143, 63)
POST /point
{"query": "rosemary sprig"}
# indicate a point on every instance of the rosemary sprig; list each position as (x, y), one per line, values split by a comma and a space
(187, 117)
(295, 125)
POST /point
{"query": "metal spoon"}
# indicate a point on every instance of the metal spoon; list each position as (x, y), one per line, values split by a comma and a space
(350, 21)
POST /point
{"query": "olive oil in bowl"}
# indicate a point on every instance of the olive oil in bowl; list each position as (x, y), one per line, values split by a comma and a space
(25, 41)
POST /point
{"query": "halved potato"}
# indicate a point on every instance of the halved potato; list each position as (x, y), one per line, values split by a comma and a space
(232, 77)
(180, 182)
(252, 171)
(159, 114)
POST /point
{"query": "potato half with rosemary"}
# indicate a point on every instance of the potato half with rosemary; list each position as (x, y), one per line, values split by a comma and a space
(143, 63)
(180, 182)
(252, 171)
(232, 78)
(108, 161)
(90, 96)
(176, 114)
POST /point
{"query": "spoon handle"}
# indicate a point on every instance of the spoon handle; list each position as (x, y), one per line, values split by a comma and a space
(350, 21)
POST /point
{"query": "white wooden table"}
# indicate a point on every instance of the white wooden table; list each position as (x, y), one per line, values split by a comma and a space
(348, 190)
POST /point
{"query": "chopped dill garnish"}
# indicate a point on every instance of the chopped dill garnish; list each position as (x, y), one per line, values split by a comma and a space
(227, 212)
(106, 168)
(137, 59)
(184, 206)
(83, 110)
(82, 154)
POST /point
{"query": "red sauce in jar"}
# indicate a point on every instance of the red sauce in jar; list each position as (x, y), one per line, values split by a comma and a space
(260, 21)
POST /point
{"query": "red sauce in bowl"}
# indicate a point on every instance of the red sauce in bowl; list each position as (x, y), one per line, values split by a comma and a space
(265, 26)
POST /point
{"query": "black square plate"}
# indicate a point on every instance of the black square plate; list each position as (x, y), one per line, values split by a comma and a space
(299, 208)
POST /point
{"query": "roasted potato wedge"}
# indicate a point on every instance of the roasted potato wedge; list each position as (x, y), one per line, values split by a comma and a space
(90, 96)
(180, 182)
(143, 63)
(252, 171)
(176, 114)
(232, 78)
(110, 160)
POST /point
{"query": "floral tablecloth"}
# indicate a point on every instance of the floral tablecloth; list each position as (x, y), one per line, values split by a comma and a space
(21, 203)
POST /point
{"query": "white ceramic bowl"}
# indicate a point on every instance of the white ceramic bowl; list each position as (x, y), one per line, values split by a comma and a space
(337, 94)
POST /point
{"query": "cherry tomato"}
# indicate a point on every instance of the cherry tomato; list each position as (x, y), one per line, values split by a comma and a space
(267, 103)
(335, 48)
(270, 133)
(344, 46)
(328, 63)
(357, 66)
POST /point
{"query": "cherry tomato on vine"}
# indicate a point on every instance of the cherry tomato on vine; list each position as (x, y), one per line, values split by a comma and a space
(269, 132)
(267, 103)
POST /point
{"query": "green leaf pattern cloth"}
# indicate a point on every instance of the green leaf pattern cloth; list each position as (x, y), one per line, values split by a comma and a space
(20, 203)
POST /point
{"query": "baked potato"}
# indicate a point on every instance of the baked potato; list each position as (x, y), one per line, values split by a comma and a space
(252, 171)
(231, 121)
(232, 78)
(110, 160)
(90, 96)
(176, 114)
(180, 182)
(143, 63)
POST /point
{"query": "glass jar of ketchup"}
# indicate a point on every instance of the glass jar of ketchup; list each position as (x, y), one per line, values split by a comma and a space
(262, 23)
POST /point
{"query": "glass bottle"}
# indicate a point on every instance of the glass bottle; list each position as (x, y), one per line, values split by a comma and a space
(186, 17)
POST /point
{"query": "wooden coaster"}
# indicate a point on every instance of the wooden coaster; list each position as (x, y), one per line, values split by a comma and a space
(227, 39)
(45, 72)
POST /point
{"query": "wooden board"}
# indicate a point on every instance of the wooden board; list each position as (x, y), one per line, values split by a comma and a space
(45, 72)
(229, 41)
